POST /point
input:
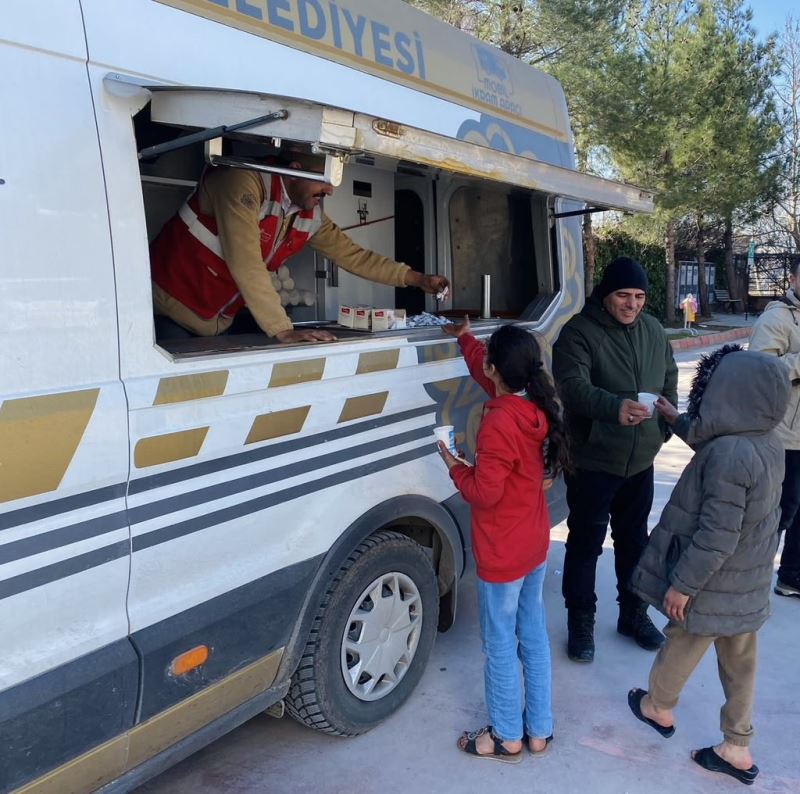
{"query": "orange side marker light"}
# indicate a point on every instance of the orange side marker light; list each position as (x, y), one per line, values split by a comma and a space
(188, 661)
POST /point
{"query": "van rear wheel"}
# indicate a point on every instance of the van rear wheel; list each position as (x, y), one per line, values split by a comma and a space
(370, 640)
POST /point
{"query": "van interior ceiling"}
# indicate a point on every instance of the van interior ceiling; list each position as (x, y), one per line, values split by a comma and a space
(434, 220)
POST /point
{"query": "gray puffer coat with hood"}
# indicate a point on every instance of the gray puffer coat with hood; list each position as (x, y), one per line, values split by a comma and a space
(717, 536)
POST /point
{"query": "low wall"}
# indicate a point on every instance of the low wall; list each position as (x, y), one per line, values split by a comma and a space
(707, 340)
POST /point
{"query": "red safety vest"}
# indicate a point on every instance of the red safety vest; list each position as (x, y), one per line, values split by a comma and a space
(186, 258)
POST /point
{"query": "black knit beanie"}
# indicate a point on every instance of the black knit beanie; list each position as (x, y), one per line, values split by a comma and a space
(621, 273)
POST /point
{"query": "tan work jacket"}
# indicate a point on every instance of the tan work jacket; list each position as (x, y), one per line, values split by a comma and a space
(233, 197)
(777, 333)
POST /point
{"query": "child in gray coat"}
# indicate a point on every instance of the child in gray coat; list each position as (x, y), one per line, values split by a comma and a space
(709, 561)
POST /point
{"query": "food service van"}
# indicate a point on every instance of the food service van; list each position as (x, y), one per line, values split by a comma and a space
(191, 533)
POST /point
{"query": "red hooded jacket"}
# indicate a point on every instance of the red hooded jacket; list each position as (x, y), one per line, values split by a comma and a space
(510, 523)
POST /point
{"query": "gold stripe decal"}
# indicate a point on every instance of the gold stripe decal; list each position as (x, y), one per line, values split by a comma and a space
(38, 439)
(278, 423)
(108, 761)
(368, 405)
(438, 352)
(168, 447)
(183, 388)
(378, 361)
(293, 372)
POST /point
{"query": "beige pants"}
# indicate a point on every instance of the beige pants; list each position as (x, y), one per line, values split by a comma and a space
(736, 660)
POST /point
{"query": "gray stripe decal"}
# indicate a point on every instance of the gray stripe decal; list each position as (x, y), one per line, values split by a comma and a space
(60, 570)
(84, 530)
(46, 541)
(229, 487)
(24, 515)
(262, 453)
(199, 523)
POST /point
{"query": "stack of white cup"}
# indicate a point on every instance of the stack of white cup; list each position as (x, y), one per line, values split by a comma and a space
(284, 285)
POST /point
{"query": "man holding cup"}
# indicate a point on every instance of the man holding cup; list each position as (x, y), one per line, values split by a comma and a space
(610, 362)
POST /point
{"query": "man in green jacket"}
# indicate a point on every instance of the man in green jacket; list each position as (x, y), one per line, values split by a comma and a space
(604, 357)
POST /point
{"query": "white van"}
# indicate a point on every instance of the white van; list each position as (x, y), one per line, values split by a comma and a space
(192, 533)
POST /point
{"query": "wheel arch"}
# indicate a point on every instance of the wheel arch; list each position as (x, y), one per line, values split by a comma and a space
(424, 520)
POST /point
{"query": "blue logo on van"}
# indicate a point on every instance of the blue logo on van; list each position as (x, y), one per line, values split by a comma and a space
(493, 84)
(490, 64)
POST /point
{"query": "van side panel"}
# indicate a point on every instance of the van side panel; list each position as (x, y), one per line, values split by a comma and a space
(68, 674)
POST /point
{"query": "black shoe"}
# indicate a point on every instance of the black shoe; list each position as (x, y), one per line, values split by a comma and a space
(788, 586)
(580, 642)
(634, 622)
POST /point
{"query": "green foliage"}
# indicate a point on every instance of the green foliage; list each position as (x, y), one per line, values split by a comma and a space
(678, 95)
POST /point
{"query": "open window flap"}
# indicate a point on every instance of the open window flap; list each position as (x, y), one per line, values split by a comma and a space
(208, 108)
(347, 132)
(380, 137)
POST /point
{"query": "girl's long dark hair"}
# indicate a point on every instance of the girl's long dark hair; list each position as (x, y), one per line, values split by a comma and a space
(516, 355)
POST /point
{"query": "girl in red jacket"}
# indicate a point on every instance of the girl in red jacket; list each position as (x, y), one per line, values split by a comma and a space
(521, 436)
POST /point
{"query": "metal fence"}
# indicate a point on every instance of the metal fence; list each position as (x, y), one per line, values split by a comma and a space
(768, 275)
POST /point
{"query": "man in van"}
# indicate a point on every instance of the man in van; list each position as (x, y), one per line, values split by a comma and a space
(215, 256)
(604, 357)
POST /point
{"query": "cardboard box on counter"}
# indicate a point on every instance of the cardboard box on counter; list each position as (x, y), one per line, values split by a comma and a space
(361, 318)
(346, 316)
(388, 319)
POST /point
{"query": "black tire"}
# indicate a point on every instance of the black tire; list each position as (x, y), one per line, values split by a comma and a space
(319, 696)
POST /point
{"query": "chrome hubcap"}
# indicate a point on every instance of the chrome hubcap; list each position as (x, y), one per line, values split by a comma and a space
(381, 636)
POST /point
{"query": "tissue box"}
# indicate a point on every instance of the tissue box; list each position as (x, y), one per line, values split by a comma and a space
(361, 318)
(388, 319)
(346, 316)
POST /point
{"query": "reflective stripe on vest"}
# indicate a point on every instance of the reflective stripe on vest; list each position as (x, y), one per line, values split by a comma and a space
(200, 233)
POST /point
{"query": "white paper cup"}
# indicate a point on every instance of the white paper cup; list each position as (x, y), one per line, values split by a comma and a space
(648, 399)
(446, 435)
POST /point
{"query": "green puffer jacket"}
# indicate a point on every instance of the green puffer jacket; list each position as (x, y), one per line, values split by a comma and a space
(717, 537)
(598, 362)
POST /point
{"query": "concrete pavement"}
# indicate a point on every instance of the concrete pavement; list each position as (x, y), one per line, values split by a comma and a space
(599, 747)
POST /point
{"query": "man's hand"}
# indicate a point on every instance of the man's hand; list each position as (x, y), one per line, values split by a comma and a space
(667, 410)
(426, 281)
(307, 335)
(675, 605)
(456, 329)
(632, 413)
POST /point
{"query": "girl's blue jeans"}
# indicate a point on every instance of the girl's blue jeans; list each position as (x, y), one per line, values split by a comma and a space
(513, 628)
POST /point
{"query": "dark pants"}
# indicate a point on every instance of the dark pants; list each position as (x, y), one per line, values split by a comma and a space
(593, 497)
(789, 570)
(167, 329)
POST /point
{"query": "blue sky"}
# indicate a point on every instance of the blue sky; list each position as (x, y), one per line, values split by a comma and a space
(769, 15)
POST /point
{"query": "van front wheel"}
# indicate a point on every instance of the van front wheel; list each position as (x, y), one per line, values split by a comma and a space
(370, 640)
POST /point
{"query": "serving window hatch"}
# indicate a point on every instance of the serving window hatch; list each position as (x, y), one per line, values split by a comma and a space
(440, 205)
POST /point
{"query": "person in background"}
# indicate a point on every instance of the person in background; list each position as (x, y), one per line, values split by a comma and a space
(708, 564)
(604, 357)
(215, 256)
(777, 333)
(521, 436)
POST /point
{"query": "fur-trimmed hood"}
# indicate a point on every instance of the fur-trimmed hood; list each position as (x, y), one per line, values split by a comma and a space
(736, 392)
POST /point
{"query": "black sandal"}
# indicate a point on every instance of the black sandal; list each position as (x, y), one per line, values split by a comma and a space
(708, 759)
(500, 753)
(635, 702)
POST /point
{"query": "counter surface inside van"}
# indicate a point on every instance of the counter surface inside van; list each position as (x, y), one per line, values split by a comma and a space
(237, 343)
